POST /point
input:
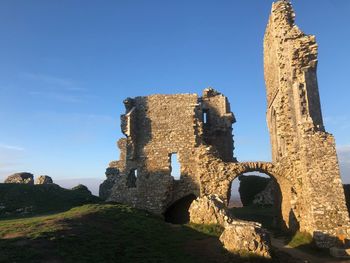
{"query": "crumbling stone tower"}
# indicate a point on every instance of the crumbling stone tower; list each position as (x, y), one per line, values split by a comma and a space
(156, 127)
(300, 145)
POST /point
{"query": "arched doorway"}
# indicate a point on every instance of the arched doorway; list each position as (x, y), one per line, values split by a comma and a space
(256, 196)
(177, 213)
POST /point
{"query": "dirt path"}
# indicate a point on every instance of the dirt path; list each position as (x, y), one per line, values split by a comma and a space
(303, 255)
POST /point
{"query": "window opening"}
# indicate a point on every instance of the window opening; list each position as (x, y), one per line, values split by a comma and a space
(175, 166)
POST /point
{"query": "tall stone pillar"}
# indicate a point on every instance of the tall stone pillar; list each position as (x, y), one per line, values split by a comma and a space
(300, 144)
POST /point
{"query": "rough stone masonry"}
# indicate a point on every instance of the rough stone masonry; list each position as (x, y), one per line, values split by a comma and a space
(199, 131)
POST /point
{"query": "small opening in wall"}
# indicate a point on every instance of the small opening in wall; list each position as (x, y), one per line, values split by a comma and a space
(205, 116)
(175, 166)
(132, 178)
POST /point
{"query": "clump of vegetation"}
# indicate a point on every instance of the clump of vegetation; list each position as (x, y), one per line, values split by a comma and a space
(208, 229)
(300, 239)
(249, 186)
(24, 199)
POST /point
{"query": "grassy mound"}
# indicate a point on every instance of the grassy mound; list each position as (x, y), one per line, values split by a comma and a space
(24, 199)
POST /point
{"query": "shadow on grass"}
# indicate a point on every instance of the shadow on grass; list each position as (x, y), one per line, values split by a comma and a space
(109, 233)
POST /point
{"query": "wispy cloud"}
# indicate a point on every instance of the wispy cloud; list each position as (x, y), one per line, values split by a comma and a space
(72, 98)
(55, 88)
(53, 81)
(11, 147)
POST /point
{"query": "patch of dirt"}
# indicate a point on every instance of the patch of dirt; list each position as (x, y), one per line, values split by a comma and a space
(13, 235)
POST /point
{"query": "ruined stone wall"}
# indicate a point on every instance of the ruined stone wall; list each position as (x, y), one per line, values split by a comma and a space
(218, 124)
(300, 146)
(156, 127)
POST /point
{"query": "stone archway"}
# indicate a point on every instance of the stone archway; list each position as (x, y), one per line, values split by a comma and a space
(177, 212)
(216, 177)
(247, 187)
(283, 194)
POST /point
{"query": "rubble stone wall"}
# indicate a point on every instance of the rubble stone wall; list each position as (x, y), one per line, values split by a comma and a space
(156, 127)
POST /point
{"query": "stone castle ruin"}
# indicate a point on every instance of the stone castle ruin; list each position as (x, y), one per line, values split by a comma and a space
(198, 130)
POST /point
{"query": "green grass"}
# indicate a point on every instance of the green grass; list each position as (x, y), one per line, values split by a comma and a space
(208, 229)
(300, 239)
(15, 198)
(95, 233)
(304, 241)
(263, 215)
(109, 233)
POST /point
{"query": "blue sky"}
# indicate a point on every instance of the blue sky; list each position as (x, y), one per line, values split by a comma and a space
(66, 67)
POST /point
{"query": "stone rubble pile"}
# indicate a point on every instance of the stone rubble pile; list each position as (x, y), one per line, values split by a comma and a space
(239, 236)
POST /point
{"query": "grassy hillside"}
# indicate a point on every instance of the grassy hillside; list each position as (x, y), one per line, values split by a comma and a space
(33, 228)
(110, 233)
(101, 233)
(24, 199)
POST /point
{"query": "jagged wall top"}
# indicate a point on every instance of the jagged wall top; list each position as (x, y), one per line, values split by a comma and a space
(290, 65)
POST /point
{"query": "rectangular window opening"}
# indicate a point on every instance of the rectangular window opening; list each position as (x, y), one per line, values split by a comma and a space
(175, 170)
(205, 116)
(132, 178)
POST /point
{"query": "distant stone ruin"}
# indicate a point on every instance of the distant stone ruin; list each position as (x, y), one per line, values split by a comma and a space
(27, 178)
(20, 178)
(198, 130)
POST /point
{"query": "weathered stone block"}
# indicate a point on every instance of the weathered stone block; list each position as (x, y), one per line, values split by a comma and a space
(43, 179)
(248, 237)
(209, 210)
(20, 178)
